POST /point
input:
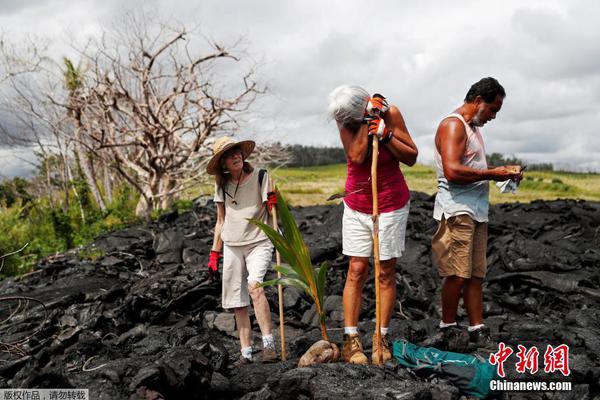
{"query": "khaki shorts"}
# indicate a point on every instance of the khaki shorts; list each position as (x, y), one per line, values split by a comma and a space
(242, 265)
(459, 247)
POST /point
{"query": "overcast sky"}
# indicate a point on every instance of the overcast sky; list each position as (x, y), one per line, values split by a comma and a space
(422, 55)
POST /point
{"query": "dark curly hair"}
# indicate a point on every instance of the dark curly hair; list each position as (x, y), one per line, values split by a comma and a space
(487, 88)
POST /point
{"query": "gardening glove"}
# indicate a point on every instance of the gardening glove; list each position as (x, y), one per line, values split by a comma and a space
(377, 105)
(213, 264)
(271, 200)
(377, 127)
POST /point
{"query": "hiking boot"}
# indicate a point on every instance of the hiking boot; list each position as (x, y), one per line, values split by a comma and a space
(352, 352)
(386, 354)
(452, 338)
(481, 339)
(269, 355)
(240, 363)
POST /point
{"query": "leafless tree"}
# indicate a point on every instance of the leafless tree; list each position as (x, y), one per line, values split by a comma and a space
(149, 103)
(270, 155)
(31, 120)
(142, 101)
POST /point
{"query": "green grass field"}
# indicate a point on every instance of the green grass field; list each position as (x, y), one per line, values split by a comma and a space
(313, 185)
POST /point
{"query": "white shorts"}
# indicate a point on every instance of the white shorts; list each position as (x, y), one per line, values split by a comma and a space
(242, 265)
(357, 233)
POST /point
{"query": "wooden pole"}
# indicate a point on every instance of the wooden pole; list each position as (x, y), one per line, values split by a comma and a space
(375, 154)
(279, 287)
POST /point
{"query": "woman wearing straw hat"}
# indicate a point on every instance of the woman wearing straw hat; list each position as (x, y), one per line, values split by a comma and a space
(242, 192)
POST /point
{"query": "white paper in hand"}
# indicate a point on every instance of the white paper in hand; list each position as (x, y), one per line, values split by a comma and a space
(508, 186)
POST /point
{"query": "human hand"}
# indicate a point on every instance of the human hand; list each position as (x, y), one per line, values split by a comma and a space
(506, 172)
(377, 105)
(377, 127)
(518, 170)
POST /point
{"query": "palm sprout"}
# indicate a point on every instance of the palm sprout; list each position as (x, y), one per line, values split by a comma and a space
(300, 273)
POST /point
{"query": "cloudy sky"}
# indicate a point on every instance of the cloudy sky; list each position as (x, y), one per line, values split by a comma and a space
(422, 55)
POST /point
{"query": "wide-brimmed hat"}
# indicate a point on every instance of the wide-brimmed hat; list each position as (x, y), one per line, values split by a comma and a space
(223, 144)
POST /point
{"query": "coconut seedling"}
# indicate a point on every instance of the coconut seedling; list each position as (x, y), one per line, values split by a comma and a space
(299, 272)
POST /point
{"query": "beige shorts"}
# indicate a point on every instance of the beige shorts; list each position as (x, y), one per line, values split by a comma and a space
(459, 247)
(357, 233)
(242, 265)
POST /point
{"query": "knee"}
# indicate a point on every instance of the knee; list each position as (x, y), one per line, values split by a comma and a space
(358, 271)
(474, 282)
(256, 292)
(455, 281)
(387, 274)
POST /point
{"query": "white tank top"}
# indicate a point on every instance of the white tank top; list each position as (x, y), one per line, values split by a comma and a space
(473, 198)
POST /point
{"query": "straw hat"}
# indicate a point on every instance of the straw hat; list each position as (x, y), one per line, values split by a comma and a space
(223, 144)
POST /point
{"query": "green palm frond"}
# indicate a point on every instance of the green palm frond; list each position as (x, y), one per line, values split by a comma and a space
(297, 283)
(321, 281)
(72, 75)
(300, 272)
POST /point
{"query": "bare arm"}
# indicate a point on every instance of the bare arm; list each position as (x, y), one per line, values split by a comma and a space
(217, 241)
(401, 145)
(451, 140)
(356, 144)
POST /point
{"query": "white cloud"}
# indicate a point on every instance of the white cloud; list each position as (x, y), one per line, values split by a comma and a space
(422, 55)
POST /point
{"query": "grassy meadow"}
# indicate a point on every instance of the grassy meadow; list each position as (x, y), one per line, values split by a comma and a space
(313, 185)
(47, 229)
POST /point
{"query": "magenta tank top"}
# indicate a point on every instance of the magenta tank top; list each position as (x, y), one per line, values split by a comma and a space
(391, 186)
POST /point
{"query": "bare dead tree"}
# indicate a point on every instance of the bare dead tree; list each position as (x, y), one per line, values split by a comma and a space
(272, 155)
(18, 60)
(150, 102)
(142, 103)
(75, 105)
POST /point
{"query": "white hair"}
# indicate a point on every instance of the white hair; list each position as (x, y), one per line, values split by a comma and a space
(347, 104)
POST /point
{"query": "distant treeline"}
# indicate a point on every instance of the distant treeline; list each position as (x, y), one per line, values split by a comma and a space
(497, 159)
(306, 156)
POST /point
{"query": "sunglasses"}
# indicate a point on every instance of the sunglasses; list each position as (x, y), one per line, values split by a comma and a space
(232, 152)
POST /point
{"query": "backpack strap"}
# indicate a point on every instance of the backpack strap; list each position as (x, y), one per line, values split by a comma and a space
(261, 177)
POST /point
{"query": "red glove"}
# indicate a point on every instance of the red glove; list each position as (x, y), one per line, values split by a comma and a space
(377, 105)
(377, 127)
(213, 262)
(271, 200)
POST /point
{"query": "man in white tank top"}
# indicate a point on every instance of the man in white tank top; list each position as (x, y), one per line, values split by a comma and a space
(461, 207)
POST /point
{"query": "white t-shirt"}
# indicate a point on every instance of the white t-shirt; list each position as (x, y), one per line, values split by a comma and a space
(247, 202)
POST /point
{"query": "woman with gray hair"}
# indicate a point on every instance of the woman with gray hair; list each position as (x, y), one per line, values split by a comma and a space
(359, 116)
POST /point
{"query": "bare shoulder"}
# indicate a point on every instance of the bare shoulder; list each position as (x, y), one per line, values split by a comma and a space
(393, 117)
(451, 126)
(394, 112)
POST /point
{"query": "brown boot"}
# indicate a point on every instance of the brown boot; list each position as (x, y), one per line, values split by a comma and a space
(242, 361)
(352, 352)
(386, 354)
(269, 355)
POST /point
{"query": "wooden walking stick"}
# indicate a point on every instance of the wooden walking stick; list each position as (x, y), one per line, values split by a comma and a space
(279, 287)
(375, 153)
